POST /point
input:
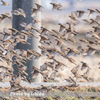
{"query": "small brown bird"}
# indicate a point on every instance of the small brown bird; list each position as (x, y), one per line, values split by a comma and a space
(84, 65)
(43, 38)
(94, 21)
(96, 28)
(14, 31)
(35, 21)
(83, 40)
(19, 11)
(86, 74)
(73, 16)
(91, 50)
(6, 15)
(91, 11)
(98, 10)
(91, 42)
(44, 31)
(39, 7)
(72, 40)
(34, 11)
(87, 21)
(80, 13)
(75, 69)
(71, 60)
(35, 72)
(5, 3)
(96, 36)
(62, 27)
(55, 31)
(56, 6)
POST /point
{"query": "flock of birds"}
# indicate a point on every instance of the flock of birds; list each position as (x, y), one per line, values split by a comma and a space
(11, 37)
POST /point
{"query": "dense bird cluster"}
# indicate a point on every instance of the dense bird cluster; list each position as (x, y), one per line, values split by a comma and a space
(11, 37)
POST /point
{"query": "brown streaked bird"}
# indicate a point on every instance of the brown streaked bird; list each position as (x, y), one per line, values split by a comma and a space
(55, 36)
(91, 42)
(5, 3)
(62, 27)
(96, 36)
(84, 65)
(24, 42)
(44, 31)
(14, 31)
(42, 38)
(97, 42)
(71, 27)
(87, 20)
(70, 52)
(56, 6)
(6, 15)
(71, 60)
(94, 21)
(35, 72)
(77, 76)
(59, 63)
(75, 69)
(18, 63)
(43, 67)
(43, 48)
(18, 79)
(19, 11)
(72, 80)
(83, 40)
(91, 11)
(55, 31)
(80, 13)
(50, 56)
(73, 16)
(59, 42)
(91, 50)
(96, 28)
(98, 10)
(35, 21)
(86, 74)
(57, 51)
(34, 11)
(39, 7)
(72, 40)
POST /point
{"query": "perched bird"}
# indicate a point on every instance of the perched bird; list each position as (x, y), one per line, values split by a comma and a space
(56, 6)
